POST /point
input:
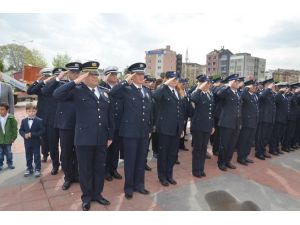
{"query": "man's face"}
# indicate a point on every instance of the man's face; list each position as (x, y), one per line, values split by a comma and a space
(91, 80)
(73, 75)
(112, 78)
(3, 111)
(234, 84)
(173, 83)
(138, 78)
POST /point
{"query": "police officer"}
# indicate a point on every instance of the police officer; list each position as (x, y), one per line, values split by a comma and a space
(35, 89)
(249, 122)
(230, 122)
(202, 125)
(281, 117)
(94, 130)
(267, 111)
(169, 126)
(293, 110)
(50, 112)
(113, 151)
(215, 137)
(134, 127)
(296, 138)
(65, 122)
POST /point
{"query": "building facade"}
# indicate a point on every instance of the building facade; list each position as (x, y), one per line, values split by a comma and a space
(283, 75)
(192, 70)
(159, 61)
(218, 62)
(247, 66)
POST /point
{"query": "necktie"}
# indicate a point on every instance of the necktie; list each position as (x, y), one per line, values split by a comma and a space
(141, 92)
(173, 91)
(94, 91)
(30, 118)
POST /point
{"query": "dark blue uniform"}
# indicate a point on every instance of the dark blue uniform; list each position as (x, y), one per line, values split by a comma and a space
(201, 128)
(65, 121)
(267, 111)
(281, 117)
(169, 126)
(94, 126)
(134, 128)
(249, 124)
(293, 110)
(52, 132)
(32, 145)
(113, 151)
(229, 123)
(35, 89)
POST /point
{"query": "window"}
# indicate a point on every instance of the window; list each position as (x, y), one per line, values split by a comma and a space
(159, 67)
(159, 61)
(214, 63)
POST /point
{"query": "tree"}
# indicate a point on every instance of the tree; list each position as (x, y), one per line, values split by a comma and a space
(1, 65)
(18, 55)
(61, 60)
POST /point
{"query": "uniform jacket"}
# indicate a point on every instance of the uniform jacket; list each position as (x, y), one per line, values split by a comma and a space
(94, 117)
(267, 107)
(203, 118)
(136, 114)
(249, 109)
(230, 116)
(171, 112)
(281, 102)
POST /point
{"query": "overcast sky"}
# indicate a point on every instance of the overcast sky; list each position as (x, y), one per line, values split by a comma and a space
(270, 32)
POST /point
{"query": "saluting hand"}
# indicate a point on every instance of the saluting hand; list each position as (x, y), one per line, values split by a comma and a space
(79, 79)
(129, 77)
(202, 86)
(62, 74)
(48, 79)
(169, 81)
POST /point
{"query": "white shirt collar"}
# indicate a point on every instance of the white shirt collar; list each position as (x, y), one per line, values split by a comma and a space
(137, 85)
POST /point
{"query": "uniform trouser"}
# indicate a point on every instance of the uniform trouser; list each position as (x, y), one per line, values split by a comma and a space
(53, 139)
(289, 134)
(216, 137)
(228, 139)
(91, 162)
(33, 153)
(277, 134)
(167, 155)
(45, 143)
(262, 137)
(296, 137)
(244, 143)
(68, 157)
(135, 152)
(112, 155)
(181, 142)
(199, 151)
(154, 138)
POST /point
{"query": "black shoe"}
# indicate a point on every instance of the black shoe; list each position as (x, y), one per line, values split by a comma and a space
(44, 159)
(222, 167)
(291, 149)
(101, 201)
(184, 149)
(267, 156)
(76, 180)
(273, 153)
(249, 160)
(148, 168)
(128, 196)
(280, 152)
(261, 157)
(164, 183)
(177, 162)
(116, 175)
(230, 166)
(172, 181)
(108, 177)
(243, 162)
(208, 156)
(216, 153)
(54, 171)
(86, 206)
(144, 192)
(203, 174)
(66, 185)
(197, 175)
(294, 147)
